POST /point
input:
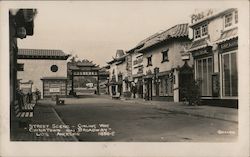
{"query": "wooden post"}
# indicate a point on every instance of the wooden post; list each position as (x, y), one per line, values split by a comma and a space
(72, 83)
(98, 78)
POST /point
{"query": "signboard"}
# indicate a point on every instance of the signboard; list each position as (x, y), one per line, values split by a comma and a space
(25, 85)
(229, 44)
(215, 85)
(54, 90)
(201, 15)
(200, 52)
(85, 73)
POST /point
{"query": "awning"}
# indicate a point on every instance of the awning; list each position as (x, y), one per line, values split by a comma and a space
(128, 79)
(137, 75)
(148, 76)
(199, 44)
(228, 35)
(114, 83)
(164, 73)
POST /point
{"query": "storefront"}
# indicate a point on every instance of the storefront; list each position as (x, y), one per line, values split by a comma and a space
(53, 86)
(216, 71)
(203, 60)
(228, 51)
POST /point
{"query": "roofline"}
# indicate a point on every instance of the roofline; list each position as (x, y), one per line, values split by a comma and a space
(40, 57)
(165, 40)
(117, 59)
(212, 17)
(136, 47)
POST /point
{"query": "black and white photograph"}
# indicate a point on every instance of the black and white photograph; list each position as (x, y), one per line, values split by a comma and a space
(126, 72)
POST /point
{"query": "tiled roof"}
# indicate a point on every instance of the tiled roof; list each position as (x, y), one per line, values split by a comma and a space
(42, 52)
(85, 64)
(199, 44)
(227, 35)
(177, 31)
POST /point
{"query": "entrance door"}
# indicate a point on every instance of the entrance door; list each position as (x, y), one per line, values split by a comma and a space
(157, 89)
(185, 80)
(113, 89)
(149, 89)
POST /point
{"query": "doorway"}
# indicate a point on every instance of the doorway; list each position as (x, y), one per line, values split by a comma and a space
(149, 89)
(185, 80)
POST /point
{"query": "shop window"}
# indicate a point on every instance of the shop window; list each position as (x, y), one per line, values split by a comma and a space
(149, 61)
(204, 70)
(164, 55)
(54, 68)
(229, 74)
(169, 85)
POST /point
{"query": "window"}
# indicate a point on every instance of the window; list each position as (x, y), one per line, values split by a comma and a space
(231, 19)
(201, 31)
(197, 33)
(228, 20)
(236, 16)
(164, 55)
(54, 68)
(204, 30)
(149, 61)
(204, 69)
(229, 74)
(140, 70)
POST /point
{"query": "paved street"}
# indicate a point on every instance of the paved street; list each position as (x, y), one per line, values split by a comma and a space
(137, 122)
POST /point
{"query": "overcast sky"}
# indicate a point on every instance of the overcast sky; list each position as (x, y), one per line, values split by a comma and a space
(95, 30)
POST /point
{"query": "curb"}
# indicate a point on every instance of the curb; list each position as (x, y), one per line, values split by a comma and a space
(197, 114)
(62, 121)
(218, 116)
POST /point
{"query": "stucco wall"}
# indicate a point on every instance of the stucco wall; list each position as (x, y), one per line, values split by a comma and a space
(36, 69)
(134, 57)
(215, 28)
(174, 57)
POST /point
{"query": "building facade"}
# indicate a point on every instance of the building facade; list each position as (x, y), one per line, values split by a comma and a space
(215, 48)
(137, 67)
(45, 69)
(163, 65)
(120, 74)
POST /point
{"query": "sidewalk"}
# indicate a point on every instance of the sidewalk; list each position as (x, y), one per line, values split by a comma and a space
(43, 115)
(222, 113)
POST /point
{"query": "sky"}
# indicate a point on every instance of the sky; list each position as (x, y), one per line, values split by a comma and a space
(95, 30)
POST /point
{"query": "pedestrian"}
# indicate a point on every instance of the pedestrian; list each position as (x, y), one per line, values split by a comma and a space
(134, 90)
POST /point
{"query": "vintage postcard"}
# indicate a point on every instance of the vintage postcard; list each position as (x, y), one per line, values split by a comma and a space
(124, 78)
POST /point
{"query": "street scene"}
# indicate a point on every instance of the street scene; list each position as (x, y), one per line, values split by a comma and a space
(100, 80)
